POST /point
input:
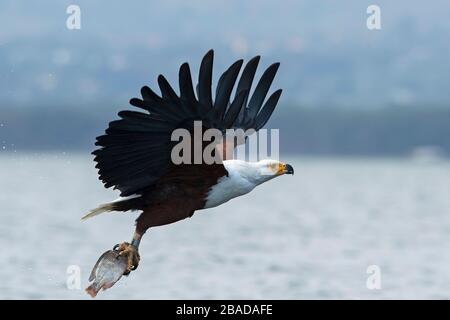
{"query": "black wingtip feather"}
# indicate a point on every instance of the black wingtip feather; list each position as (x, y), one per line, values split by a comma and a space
(267, 110)
(225, 86)
(185, 83)
(205, 81)
(261, 89)
(233, 111)
(167, 91)
(138, 103)
(149, 95)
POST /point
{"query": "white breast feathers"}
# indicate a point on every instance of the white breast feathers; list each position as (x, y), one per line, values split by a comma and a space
(242, 178)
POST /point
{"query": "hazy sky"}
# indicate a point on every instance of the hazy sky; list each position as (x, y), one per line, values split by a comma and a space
(328, 55)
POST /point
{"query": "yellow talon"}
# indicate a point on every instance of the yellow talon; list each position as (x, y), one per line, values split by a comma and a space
(128, 250)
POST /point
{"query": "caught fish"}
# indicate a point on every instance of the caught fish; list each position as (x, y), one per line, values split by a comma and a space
(107, 271)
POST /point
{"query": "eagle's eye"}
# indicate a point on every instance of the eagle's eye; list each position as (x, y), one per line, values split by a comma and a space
(281, 168)
(277, 168)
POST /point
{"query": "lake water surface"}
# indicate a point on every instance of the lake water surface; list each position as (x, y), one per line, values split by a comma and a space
(310, 236)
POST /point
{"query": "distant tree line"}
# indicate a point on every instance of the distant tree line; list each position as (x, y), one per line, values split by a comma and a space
(315, 131)
(387, 131)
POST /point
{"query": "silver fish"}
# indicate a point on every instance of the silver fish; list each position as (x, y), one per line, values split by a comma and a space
(106, 272)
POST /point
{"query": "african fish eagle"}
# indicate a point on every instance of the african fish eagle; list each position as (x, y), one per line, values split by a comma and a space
(134, 154)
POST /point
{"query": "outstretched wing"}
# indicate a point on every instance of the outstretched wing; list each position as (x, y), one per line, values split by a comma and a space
(135, 150)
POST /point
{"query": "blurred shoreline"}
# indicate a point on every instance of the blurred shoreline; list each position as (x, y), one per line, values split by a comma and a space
(394, 131)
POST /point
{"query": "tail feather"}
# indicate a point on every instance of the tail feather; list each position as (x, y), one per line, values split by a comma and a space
(121, 204)
(107, 207)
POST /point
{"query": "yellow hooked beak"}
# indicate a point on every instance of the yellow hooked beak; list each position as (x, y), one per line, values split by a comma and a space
(284, 168)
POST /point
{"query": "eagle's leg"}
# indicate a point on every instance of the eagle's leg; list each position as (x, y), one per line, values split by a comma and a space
(130, 251)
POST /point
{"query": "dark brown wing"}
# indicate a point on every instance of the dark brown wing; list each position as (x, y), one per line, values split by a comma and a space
(135, 150)
(178, 194)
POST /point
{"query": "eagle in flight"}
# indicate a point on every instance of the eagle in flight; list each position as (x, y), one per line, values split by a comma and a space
(134, 154)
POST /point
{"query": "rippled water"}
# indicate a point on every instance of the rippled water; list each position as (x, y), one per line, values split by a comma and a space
(310, 236)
